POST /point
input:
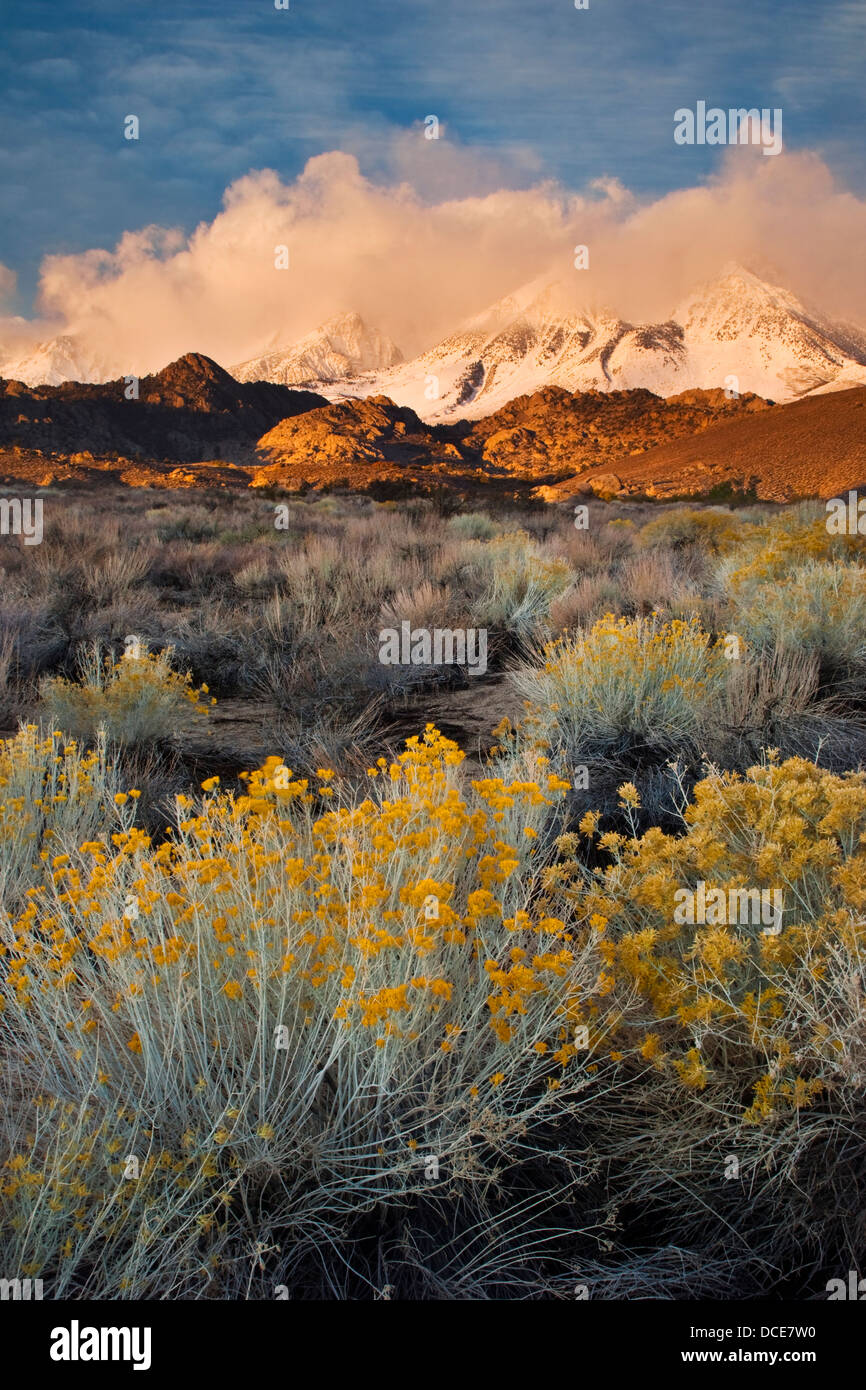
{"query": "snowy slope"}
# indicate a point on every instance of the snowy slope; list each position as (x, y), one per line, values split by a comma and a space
(763, 335)
(340, 349)
(736, 326)
(521, 343)
(64, 358)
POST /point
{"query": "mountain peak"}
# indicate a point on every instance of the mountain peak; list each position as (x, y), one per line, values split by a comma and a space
(193, 368)
(750, 299)
(535, 301)
(735, 270)
(193, 381)
(340, 349)
(197, 362)
(55, 360)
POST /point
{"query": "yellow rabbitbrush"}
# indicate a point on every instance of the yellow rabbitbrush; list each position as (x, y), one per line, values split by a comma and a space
(134, 700)
(779, 1015)
(272, 1019)
(627, 679)
(289, 980)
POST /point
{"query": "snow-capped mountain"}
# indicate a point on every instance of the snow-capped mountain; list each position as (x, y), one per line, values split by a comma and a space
(339, 350)
(737, 326)
(64, 358)
(762, 334)
(525, 341)
(736, 331)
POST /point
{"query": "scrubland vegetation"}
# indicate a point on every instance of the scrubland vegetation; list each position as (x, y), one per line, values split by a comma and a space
(376, 1019)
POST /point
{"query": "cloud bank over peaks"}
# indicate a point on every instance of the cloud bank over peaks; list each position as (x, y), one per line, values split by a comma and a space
(414, 266)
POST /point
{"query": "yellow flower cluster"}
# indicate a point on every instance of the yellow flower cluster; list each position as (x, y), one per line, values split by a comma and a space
(695, 998)
(266, 885)
(135, 699)
(636, 677)
(772, 551)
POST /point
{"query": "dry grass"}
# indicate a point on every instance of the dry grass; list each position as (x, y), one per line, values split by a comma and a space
(298, 1167)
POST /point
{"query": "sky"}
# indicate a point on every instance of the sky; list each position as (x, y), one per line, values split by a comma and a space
(545, 110)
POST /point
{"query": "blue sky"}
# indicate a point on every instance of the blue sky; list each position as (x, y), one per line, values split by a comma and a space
(552, 92)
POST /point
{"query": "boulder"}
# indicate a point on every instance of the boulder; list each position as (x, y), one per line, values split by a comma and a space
(605, 485)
